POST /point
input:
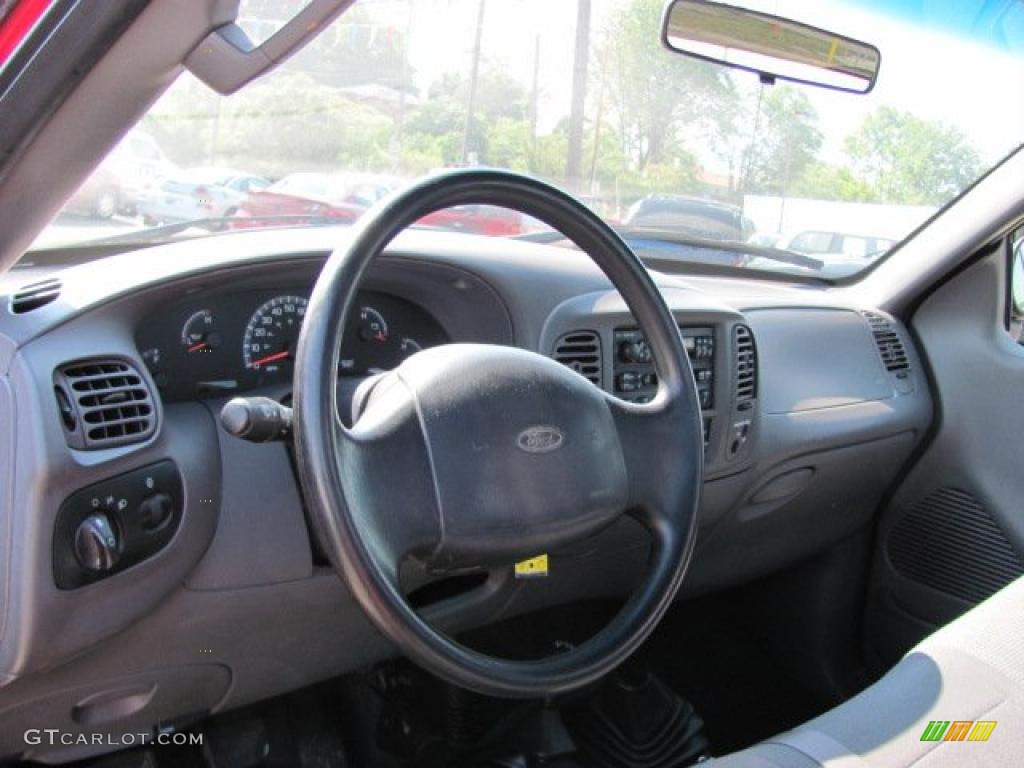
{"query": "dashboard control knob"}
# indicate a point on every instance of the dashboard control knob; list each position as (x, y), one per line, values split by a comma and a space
(634, 352)
(155, 511)
(97, 545)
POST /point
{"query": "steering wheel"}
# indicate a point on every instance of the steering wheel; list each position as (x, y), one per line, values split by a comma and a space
(473, 455)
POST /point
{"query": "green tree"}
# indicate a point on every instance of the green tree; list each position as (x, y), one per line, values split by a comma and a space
(907, 159)
(497, 93)
(832, 182)
(317, 128)
(653, 92)
(357, 49)
(786, 143)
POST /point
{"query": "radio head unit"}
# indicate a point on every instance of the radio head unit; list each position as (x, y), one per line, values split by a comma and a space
(633, 376)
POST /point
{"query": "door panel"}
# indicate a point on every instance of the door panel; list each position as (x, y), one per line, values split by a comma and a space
(953, 532)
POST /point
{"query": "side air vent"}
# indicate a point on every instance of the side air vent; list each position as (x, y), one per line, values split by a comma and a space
(34, 295)
(890, 346)
(746, 364)
(581, 351)
(104, 403)
(950, 542)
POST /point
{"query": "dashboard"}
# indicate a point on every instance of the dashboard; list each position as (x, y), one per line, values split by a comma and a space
(229, 342)
(806, 424)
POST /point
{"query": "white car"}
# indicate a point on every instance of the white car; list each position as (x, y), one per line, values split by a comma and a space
(199, 193)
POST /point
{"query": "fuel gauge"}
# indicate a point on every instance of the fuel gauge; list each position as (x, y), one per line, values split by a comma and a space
(199, 334)
(408, 347)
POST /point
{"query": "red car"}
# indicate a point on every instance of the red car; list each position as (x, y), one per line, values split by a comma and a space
(343, 198)
(479, 220)
(312, 196)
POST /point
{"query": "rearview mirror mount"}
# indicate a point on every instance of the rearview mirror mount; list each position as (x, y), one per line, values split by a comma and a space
(770, 46)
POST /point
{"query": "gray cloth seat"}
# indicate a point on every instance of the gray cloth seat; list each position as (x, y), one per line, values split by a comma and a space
(970, 670)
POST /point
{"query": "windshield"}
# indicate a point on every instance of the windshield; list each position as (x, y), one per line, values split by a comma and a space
(692, 162)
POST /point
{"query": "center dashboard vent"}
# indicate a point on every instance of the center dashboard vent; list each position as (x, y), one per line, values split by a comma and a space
(581, 351)
(890, 345)
(104, 403)
(746, 364)
(35, 295)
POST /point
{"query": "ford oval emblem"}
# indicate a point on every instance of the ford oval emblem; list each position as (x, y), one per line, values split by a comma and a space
(540, 439)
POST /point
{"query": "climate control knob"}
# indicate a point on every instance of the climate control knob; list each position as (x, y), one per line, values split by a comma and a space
(97, 545)
(634, 352)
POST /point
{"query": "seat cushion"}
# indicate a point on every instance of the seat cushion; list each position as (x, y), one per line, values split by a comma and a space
(970, 670)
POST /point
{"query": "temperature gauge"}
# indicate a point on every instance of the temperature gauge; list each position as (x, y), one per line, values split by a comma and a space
(199, 334)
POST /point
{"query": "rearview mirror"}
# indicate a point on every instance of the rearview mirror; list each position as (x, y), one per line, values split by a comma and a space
(769, 46)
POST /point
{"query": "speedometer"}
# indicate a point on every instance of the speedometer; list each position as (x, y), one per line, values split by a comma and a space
(273, 334)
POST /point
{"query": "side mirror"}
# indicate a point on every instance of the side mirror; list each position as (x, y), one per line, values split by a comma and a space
(769, 46)
(227, 59)
(1017, 280)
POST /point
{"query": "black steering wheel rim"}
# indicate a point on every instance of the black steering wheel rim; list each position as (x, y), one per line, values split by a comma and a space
(663, 488)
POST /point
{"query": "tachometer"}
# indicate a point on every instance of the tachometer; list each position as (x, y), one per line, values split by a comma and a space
(273, 333)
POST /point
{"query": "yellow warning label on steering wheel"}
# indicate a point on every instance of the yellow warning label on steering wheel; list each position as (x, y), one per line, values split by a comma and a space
(534, 568)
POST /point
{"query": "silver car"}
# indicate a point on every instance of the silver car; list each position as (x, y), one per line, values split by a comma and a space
(199, 193)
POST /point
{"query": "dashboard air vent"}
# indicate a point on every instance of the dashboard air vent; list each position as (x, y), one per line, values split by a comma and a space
(746, 364)
(34, 295)
(890, 346)
(581, 351)
(110, 400)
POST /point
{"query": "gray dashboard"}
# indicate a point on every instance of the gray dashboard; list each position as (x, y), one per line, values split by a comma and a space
(237, 605)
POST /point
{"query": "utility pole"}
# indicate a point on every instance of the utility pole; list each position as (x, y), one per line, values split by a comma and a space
(396, 160)
(574, 159)
(597, 137)
(534, 102)
(473, 75)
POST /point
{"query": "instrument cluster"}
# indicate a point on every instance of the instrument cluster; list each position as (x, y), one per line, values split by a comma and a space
(223, 344)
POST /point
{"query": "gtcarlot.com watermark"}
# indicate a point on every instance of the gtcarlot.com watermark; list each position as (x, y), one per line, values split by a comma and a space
(54, 737)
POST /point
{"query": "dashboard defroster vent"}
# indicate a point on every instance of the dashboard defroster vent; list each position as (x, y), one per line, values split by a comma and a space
(35, 295)
(110, 400)
(746, 364)
(890, 345)
(581, 351)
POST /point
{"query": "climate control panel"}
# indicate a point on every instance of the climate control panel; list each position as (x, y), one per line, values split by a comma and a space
(633, 375)
(110, 526)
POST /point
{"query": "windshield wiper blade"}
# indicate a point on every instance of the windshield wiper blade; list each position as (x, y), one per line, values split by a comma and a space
(674, 237)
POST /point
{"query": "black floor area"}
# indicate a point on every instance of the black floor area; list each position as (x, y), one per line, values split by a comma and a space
(396, 716)
(740, 691)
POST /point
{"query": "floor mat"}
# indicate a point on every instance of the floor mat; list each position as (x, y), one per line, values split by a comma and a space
(740, 692)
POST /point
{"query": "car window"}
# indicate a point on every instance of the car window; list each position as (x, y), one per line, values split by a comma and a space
(812, 242)
(855, 246)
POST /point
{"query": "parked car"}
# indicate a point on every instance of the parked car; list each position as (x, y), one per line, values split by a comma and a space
(479, 220)
(839, 254)
(199, 193)
(822, 243)
(100, 196)
(312, 196)
(139, 163)
(123, 179)
(694, 217)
